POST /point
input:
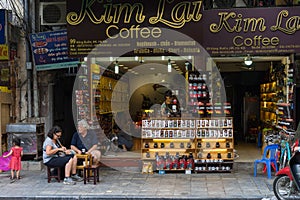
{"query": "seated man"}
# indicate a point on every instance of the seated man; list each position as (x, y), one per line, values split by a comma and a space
(124, 140)
(85, 140)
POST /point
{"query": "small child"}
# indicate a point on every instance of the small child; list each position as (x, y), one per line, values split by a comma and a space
(15, 163)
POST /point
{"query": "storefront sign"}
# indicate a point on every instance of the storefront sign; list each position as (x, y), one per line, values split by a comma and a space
(144, 28)
(3, 52)
(2, 26)
(242, 31)
(50, 50)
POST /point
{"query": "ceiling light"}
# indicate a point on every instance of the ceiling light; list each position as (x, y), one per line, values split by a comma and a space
(116, 67)
(169, 66)
(141, 60)
(162, 57)
(248, 60)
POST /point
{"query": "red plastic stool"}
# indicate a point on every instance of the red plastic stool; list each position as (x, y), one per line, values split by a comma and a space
(265, 168)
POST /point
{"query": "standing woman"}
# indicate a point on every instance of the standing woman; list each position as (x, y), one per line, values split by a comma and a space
(56, 155)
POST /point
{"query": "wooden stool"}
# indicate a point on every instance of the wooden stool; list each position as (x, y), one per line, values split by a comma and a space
(87, 170)
(50, 175)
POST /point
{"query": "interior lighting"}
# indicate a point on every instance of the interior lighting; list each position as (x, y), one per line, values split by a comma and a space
(248, 60)
(169, 66)
(116, 67)
(141, 60)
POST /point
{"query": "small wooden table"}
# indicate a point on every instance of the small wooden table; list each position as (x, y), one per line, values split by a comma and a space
(91, 169)
(87, 160)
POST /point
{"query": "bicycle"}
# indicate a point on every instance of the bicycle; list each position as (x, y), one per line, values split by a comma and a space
(287, 137)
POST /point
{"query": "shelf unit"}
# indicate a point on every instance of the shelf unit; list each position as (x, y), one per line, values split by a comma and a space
(214, 145)
(82, 93)
(198, 88)
(97, 93)
(182, 144)
(277, 98)
(167, 137)
(108, 92)
(205, 95)
(268, 96)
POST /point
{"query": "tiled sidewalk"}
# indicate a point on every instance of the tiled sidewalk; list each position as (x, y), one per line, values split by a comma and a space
(134, 185)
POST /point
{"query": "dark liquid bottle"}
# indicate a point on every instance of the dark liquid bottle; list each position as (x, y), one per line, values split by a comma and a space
(199, 145)
(208, 156)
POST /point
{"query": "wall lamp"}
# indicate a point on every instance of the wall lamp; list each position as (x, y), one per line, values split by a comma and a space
(248, 60)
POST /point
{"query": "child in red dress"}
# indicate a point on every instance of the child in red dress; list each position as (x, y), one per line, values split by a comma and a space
(15, 162)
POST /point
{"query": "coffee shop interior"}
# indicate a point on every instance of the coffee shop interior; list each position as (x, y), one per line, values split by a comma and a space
(244, 87)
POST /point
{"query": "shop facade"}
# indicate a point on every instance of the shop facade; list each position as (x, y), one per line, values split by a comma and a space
(126, 70)
(200, 38)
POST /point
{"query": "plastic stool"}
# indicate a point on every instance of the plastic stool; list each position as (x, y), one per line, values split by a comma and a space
(271, 151)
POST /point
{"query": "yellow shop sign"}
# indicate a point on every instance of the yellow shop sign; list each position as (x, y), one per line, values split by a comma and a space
(3, 52)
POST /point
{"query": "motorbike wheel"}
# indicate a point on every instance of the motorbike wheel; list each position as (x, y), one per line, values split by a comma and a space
(282, 189)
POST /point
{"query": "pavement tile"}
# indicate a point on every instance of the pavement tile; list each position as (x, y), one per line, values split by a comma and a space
(123, 185)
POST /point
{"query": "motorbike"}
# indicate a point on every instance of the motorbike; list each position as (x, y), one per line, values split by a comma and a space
(286, 184)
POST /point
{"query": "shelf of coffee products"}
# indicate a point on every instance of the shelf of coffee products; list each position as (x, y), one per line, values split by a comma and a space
(212, 165)
(199, 92)
(110, 93)
(166, 142)
(214, 145)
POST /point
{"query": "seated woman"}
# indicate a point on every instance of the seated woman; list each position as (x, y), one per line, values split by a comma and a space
(86, 140)
(51, 150)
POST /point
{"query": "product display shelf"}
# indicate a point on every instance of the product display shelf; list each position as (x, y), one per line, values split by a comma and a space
(110, 92)
(202, 145)
(82, 94)
(198, 87)
(268, 102)
(277, 98)
(214, 145)
(168, 143)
